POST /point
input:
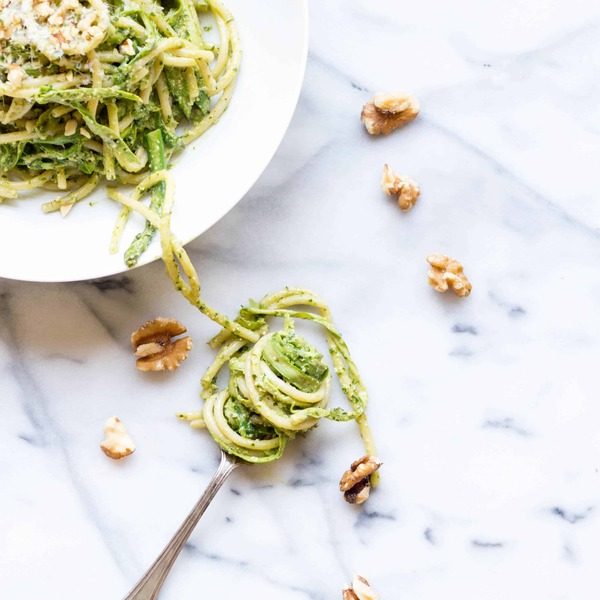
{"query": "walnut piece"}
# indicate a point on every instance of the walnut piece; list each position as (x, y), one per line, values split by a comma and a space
(126, 47)
(356, 481)
(55, 27)
(359, 493)
(360, 590)
(403, 188)
(116, 444)
(385, 113)
(155, 348)
(447, 273)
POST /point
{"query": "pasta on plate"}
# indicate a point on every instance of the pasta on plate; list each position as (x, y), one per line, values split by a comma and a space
(93, 91)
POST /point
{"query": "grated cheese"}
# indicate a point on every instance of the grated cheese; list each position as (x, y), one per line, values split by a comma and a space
(54, 27)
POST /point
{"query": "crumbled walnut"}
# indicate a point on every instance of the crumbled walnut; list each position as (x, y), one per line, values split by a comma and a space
(384, 113)
(55, 19)
(360, 468)
(43, 9)
(356, 481)
(127, 48)
(393, 104)
(155, 348)
(348, 594)
(117, 443)
(15, 76)
(403, 188)
(362, 590)
(358, 493)
(447, 273)
(55, 27)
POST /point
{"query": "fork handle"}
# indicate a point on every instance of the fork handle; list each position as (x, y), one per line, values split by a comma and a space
(149, 585)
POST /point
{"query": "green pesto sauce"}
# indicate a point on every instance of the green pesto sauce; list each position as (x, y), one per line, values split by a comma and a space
(296, 361)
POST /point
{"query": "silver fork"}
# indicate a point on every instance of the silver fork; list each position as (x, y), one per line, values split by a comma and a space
(149, 585)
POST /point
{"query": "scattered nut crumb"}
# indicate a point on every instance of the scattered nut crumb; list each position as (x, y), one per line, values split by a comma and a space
(15, 76)
(359, 493)
(155, 348)
(447, 273)
(55, 27)
(116, 444)
(384, 113)
(403, 188)
(126, 47)
(360, 590)
(356, 481)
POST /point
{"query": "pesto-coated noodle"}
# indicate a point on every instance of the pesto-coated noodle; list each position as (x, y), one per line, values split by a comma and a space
(86, 84)
(113, 95)
(278, 382)
(279, 385)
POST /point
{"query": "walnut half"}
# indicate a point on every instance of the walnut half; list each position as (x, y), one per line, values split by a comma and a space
(116, 443)
(385, 113)
(155, 348)
(356, 481)
(403, 188)
(360, 590)
(447, 273)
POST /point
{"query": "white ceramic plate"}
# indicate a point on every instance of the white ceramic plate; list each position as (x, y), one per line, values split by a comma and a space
(211, 175)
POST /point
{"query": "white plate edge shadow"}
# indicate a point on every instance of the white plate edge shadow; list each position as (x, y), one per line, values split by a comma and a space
(10, 266)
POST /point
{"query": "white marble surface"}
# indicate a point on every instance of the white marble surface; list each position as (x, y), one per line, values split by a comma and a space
(486, 410)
